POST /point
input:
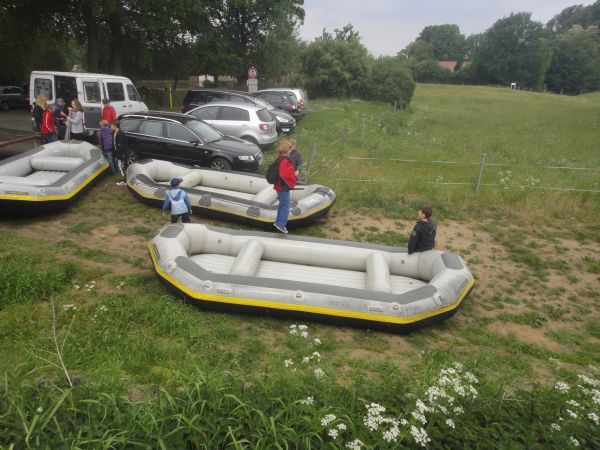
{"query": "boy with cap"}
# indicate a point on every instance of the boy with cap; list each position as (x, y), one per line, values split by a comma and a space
(180, 203)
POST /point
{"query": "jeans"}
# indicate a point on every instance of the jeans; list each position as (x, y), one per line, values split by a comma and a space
(185, 218)
(283, 210)
(108, 154)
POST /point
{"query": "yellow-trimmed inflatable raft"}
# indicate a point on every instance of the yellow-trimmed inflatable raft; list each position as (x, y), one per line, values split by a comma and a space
(348, 282)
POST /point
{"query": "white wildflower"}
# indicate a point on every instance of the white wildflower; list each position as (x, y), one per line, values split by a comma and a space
(403, 422)
(293, 327)
(308, 401)
(391, 434)
(458, 410)
(333, 433)
(594, 417)
(591, 381)
(420, 417)
(302, 327)
(103, 308)
(450, 423)
(70, 307)
(316, 355)
(555, 427)
(318, 342)
(305, 360)
(470, 377)
(574, 442)
(573, 403)
(421, 407)
(420, 436)
(354, 445)
(458, 366)
(561, 387)
(319, 373)
(293, 331)
(572, 414)
(77, 286)
(341, 427)
(40, 409)
(304, 334)
(288, 363)
(327, 419)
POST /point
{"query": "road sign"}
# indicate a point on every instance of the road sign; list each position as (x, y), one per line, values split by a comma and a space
(252, 85)
(252, 73)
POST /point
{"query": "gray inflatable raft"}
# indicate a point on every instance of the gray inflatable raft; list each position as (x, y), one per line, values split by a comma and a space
(48, 178)
(238, 196)
(348, 282)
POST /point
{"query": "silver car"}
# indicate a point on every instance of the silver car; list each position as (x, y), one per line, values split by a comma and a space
(241, 120)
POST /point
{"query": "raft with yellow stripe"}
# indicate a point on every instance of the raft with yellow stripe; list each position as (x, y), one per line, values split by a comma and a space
(239, 196)
(48, 178)
(351, 283)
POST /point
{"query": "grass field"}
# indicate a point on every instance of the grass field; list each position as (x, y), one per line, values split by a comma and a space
(517, 367)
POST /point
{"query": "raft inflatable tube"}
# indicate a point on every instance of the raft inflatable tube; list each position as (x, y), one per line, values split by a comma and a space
(239, 196)
(48, 178)
(350, 283)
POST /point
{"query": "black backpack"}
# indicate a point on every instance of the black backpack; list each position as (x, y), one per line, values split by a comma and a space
(272, 174)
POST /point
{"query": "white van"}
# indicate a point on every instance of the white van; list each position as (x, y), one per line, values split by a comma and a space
(89, 89)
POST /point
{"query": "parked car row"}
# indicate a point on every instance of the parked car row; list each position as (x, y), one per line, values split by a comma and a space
(284, 105)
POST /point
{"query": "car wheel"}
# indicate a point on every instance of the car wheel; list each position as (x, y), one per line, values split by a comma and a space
(220, 164)
(250, 139)
(5, 106)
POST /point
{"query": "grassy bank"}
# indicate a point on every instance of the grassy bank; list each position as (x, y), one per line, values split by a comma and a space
(80, 306)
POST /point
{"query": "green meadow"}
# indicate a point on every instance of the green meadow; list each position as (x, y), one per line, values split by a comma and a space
(96, 353)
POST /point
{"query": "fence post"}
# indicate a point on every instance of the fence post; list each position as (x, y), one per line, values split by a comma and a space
(394, 107)
(362, 136)
(481, 164)
(313, 153)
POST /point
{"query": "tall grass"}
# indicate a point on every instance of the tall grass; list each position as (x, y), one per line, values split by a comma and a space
(523, 134)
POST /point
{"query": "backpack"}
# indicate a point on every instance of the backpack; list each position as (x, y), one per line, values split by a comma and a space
(178, 205)
(272, 174)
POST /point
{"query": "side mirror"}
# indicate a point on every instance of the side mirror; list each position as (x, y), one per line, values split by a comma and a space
(195, 141)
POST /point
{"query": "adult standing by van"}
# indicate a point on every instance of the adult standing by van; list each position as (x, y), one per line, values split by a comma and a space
(38, 111)
(121, 150)
(75, 120)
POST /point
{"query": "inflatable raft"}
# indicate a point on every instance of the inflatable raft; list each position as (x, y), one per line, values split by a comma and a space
(48, 178)
(243, 197)
(349, 282)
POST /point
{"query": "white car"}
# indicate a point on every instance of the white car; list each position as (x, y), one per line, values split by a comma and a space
(241, 120)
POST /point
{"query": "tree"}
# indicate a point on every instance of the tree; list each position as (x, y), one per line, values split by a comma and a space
(514, 49)
(279, 54)
(585, 16)
(392, 81)
(245, 24)
(417, 51)
(337, 65)
(575, 65)
(447, 43)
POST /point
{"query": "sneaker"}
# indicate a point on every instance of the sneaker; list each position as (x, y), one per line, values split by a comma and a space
(283, 230)
(121, 183)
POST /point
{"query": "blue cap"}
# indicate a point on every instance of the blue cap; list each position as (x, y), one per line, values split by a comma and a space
(176, 181)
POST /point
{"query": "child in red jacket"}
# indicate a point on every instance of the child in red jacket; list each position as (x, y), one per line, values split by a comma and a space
(284, 184)
(48, 125)
(108, 111)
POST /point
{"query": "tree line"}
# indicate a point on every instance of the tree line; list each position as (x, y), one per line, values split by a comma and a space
(172, 39)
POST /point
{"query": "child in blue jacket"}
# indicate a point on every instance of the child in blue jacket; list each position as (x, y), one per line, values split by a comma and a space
(179, 201)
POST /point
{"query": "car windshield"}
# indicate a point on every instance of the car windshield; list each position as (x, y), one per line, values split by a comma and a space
(204, 131)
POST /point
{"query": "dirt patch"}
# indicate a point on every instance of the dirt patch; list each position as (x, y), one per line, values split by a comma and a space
(526, 333)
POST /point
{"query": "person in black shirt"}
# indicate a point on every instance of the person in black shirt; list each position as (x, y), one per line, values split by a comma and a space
(422, 237)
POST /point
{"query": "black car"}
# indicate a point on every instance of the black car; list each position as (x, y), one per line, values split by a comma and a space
(198, 97)
(187, 140)
(283, 100)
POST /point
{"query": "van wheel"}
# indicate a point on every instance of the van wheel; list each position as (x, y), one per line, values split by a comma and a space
(220, 164)
(5, 106)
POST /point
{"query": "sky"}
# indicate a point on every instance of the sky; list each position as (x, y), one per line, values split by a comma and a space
(387, 26)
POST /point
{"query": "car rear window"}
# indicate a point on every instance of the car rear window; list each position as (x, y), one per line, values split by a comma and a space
(229, 113)
(264, 115)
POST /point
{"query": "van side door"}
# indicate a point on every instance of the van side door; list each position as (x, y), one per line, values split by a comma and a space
(91, 102)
